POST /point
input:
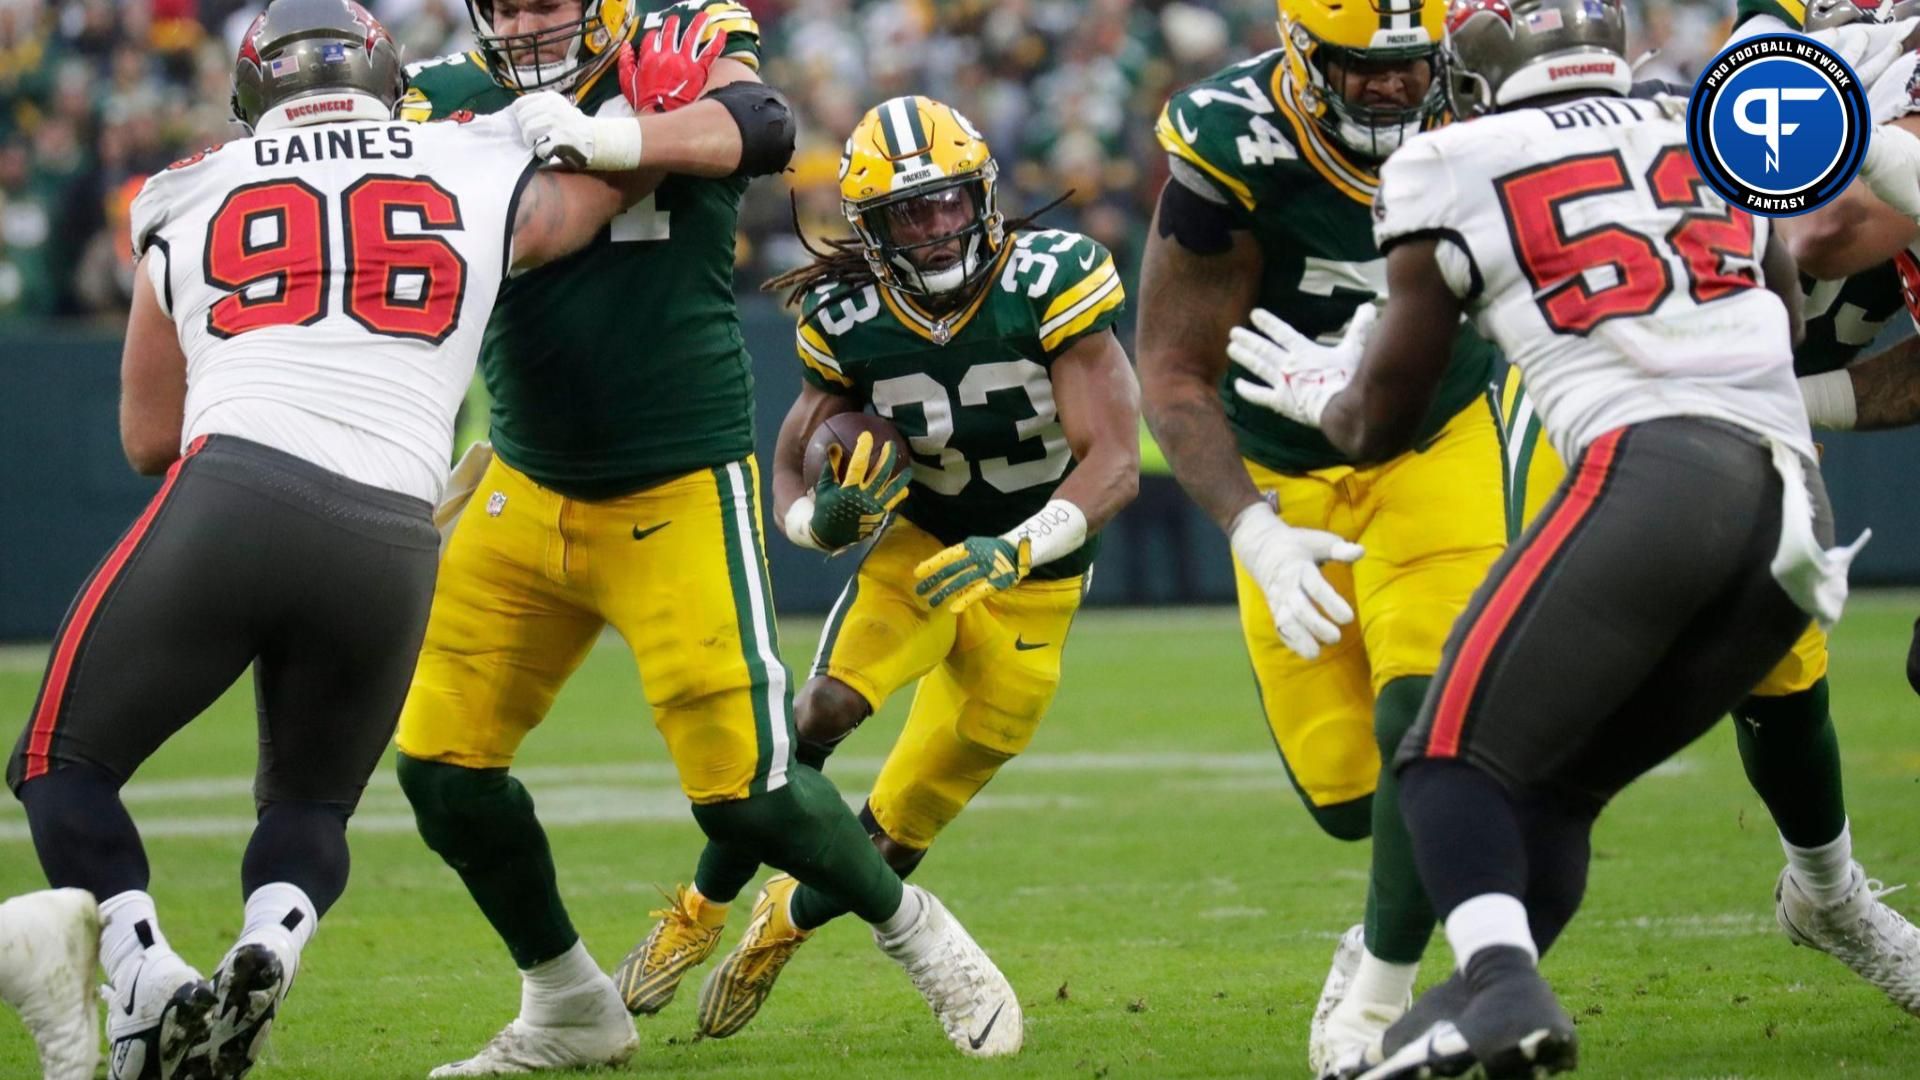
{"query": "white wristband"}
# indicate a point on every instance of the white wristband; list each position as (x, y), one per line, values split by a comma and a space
(1830, 401)
(799, 523)
(616, 144)
(1057, 530)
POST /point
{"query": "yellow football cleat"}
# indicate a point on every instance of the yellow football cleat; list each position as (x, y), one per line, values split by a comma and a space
(687, 933)
(735, 990)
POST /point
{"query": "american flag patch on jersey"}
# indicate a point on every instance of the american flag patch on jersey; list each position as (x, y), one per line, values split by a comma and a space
(282, 66)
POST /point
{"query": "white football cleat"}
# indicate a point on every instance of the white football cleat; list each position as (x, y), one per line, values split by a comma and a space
(602, 1037)
(1860, 931)
(973, 1002)
(1439, 1051)
(49, 942)
(158, 1018)
(1321, 1056)
(1353, 1028)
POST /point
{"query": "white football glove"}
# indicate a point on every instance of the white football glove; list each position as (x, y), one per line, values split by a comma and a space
(1869, 48)
(554, 128)
(1891, 168)
(1301, 375)
(1285, 562)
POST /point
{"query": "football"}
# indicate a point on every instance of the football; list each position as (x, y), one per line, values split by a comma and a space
(842, 429)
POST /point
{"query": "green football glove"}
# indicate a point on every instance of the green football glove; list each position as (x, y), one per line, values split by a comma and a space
(848, 511)
(976, 567)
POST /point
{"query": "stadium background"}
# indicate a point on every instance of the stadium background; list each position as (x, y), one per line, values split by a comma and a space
(97, 94)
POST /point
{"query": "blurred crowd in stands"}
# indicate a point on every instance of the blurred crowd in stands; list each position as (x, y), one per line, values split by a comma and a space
(97, 94)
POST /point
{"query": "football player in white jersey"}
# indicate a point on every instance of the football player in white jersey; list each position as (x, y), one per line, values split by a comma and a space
(1653, 325)
(305, 322)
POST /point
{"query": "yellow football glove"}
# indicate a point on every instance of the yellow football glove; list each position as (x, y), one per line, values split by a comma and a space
(848, 511)
(976, 567)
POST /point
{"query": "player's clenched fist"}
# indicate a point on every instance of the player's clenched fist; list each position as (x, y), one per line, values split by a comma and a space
(669, 69)
(1307, 610)
(850, 503)
(554, 129)
(974, 568)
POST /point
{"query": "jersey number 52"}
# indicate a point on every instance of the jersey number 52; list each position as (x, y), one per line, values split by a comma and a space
(1716, 246)
(268, 250)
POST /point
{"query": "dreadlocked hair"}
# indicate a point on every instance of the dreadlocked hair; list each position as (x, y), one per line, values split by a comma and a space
(843, 259)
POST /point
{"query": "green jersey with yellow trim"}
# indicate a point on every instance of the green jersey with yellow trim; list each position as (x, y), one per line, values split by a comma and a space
(973, 391)
(1239, 139)
(623, 365)
(1791, 12)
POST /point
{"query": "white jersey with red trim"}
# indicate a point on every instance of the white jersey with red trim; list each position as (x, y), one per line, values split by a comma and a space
(331, 283)
(1586, 245)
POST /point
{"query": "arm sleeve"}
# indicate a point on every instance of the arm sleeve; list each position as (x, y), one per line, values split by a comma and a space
(146, 218)
(1085, 297)
(1417, 200)
(1752, 17)
(743, 31)
(1192, 162)
(818, 366)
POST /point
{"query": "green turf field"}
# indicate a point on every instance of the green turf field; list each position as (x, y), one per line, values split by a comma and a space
(1144, 875)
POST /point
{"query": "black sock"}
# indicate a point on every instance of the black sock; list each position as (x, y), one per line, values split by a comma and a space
(302, 844)
(1467, 839)
(82, 832)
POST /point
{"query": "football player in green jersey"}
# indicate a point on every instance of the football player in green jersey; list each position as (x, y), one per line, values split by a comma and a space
(1274, 166)
(989, 344)
(623, 492)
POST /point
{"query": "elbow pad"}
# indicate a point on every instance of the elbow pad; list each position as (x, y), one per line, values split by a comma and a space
(766, 126)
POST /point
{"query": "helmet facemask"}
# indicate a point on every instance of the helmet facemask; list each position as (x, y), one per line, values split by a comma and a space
(894, 230)
(1371, 130)
(585, 46)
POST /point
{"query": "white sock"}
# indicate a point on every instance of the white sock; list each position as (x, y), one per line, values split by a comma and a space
(904, 916)
(546, 988)
(281, 917)
(1377, 982)
(1488, 921)
(129, 931)
(1825, 872)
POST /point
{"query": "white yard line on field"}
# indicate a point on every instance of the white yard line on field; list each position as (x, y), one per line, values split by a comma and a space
(570, 795)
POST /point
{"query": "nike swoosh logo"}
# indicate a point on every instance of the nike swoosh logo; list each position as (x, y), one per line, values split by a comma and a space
(641, 534)
(980, 1039)
(133, 990)
(1187, 133)
(1026, 646)
(1087, 263)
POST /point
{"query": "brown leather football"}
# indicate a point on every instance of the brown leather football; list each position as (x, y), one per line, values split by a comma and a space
(841, 429)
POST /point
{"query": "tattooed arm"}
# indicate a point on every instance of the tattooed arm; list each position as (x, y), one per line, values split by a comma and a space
(558, 213)
(1188, 303)
(1886, 388)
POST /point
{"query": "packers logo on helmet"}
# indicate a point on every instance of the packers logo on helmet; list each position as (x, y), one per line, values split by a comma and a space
(560, 57)
(917, 185)
(1331, 45)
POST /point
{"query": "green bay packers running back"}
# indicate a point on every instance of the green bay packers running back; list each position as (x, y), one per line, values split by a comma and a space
(624, 492)
(990, 346)
(1274, 167)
